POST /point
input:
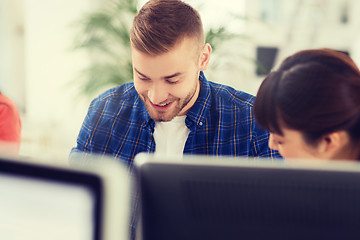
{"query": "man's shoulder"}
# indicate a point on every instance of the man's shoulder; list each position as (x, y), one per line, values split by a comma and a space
(123, 92)
(231, 96)
(122, 99)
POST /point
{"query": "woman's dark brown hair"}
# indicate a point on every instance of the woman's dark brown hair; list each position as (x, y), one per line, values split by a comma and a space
(315, 92)
(160, 24)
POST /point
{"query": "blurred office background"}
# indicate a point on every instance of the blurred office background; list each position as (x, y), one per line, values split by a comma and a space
(40, 70)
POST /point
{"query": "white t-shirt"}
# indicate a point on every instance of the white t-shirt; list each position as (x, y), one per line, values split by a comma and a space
(170, 137)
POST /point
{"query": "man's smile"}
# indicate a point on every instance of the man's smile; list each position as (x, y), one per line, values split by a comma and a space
(161, 107)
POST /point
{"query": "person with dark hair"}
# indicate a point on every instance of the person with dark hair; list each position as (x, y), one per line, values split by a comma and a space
(10, 127)
(311, 106)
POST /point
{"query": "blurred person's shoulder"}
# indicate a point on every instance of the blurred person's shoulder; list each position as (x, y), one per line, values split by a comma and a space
(7, 104)
(10, 126)
(9, 111)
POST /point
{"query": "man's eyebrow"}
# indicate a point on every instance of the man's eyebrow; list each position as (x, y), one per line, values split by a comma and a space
(166, 77)
(143, 75)
(173, 75)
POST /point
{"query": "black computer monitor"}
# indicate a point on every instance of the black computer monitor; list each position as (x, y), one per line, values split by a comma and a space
(200, 197)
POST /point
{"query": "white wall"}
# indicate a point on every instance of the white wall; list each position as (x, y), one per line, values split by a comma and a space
(53, 113)
(304, 24)
(12, 66)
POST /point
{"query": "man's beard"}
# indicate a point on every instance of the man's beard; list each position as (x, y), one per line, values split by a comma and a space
(174, 111)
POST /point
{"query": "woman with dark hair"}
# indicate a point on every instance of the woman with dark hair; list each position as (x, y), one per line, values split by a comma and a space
(311, 106)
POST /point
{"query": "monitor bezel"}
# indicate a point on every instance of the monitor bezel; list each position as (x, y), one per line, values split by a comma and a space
(24, 168)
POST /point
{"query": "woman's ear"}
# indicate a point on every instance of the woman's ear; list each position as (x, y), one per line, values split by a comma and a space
(205, 56)
(331, 143)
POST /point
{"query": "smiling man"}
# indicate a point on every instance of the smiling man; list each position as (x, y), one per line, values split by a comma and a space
(171, 108)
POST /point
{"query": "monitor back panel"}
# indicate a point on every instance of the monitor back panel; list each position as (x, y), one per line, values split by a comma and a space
(191, 201)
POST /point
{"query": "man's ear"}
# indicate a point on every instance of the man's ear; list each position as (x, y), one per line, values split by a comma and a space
(205, 57)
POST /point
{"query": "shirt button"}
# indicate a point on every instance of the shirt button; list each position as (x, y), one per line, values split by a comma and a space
(151, 138)
(200, 124)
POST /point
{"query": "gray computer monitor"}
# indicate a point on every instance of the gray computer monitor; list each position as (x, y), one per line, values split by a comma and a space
(201, 197)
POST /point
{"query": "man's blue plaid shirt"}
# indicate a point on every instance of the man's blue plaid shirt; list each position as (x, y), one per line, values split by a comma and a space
(221, 122)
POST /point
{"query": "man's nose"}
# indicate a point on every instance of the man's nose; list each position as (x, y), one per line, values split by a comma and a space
(158, 93)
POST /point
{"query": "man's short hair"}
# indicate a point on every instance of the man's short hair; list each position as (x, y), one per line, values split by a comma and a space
(160, 24)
